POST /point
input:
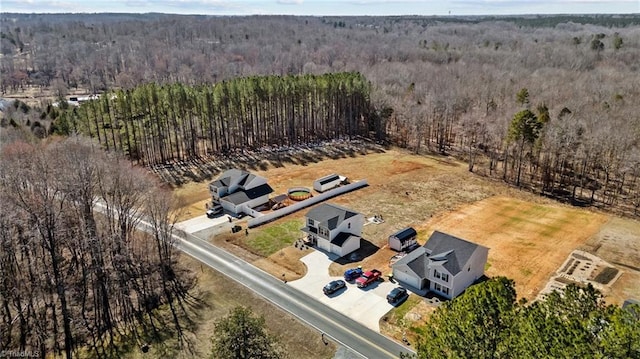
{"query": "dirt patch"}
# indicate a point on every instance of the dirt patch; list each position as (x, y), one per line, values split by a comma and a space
(285, 264)
(528, 241)
(618, 242)
(406, 322)
(582, 268)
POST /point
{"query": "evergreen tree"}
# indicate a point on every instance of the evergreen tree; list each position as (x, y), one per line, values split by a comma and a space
(241, 335)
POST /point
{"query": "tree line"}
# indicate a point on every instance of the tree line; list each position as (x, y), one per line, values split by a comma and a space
(438, 85)
(488, 322)
(156, 124)
(77, 280)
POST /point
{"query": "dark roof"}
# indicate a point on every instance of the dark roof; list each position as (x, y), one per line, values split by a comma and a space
(246, 181)
(330, 215)
(454, 251)
(225, 179)
(405, 234)
(416, 262)
(341, 238)
(243, 196)
(326, 179)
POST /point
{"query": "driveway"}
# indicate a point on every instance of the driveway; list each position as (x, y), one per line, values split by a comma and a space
(204, 227)
(365, 306)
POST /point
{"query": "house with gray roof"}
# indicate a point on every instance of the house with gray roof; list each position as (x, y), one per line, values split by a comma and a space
(334, 228)
(239, 191)
(446, 265)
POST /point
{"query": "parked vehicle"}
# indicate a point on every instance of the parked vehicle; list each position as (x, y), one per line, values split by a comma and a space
(368, 278)
(333, 286)
(397, 295)
(214, 210)
(352, 274)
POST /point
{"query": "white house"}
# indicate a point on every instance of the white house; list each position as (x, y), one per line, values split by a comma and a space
(327, 182)
(334, 228)
(446, 265)
(239, 191)
(404, 239)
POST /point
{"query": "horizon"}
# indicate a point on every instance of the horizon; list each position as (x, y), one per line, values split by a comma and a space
(327, 8)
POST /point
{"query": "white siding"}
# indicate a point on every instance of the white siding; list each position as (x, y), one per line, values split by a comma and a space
(352, 225)
(395, 244)
(326, 186)
(473, 270)
(228, 206)
(352, 244)
(440, 281)
(324, 244)
(408, 278)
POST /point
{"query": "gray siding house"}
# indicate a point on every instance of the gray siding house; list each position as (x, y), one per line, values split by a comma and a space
(446, 265)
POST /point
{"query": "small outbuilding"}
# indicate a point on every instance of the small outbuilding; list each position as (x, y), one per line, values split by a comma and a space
(327, 182)
(403, 240)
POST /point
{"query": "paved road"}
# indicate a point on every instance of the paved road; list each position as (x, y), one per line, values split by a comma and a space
(336, 326)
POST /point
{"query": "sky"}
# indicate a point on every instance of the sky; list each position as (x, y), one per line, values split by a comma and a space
(326, 7)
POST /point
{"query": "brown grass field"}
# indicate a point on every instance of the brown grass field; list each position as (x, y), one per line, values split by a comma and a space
(529, 236)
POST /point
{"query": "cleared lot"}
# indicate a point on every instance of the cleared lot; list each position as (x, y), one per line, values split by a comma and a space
(366, 305)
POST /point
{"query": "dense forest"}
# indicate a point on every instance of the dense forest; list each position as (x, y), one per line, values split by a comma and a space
(545, 103)
(157, 124)
(488, 322)
(74, 280)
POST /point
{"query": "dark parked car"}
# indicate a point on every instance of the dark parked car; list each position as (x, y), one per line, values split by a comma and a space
(352, 274)
(214, 211)
(397, 295)
(333, 287)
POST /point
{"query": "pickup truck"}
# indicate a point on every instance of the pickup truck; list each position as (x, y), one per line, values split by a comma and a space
(352, 274)
(368, 278)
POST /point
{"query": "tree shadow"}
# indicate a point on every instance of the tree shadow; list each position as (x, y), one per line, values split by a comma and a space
(200, 169)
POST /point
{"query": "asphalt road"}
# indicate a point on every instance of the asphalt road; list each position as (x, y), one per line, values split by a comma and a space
(331, 325)
(334, 325)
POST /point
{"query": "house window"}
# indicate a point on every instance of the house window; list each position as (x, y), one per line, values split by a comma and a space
(436, 273)
(437, 287)
(323, 231)
(445, 277)
(349, 225)
(445, 290)
(310, 222)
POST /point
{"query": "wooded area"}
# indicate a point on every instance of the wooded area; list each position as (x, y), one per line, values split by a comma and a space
(487, 322)
(547, 103)
(445, 85)
(74, 280)
(159, 124)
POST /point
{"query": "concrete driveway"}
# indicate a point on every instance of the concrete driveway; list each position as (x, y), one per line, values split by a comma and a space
(365, 306)
(204, 227)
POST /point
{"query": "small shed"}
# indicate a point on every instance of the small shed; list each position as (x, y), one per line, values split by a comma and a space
(403, 240)
(327, 182)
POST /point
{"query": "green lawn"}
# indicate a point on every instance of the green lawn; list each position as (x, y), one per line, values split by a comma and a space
(272, 238)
